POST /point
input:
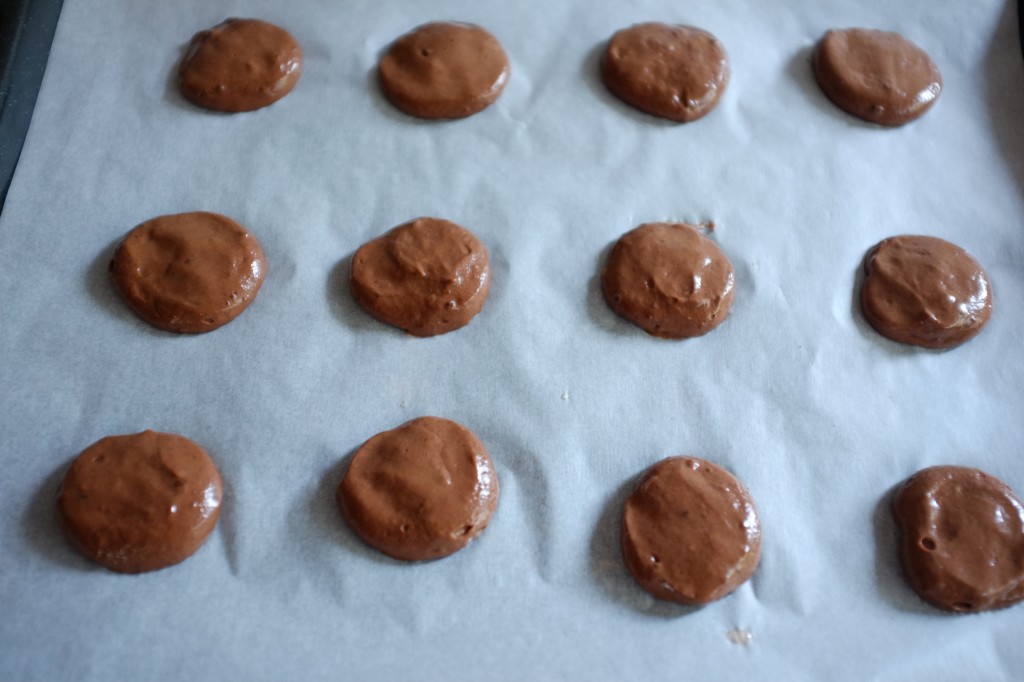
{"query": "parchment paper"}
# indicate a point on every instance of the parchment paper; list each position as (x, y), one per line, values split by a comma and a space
(795, 394)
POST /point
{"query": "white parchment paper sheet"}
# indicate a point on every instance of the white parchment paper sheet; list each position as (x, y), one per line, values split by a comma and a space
(795, 394)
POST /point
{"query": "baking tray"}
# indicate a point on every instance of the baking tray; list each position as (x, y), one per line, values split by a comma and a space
(794, 393)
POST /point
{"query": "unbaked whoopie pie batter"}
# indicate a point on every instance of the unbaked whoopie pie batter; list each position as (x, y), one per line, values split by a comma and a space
(962, 538)
(675, 72)
(428, 276)
(444, 70)
(421, 491)
(878, 76)
(925, 291)
(240, 65)
(669, 280)
(690, 531)
(188, 272)
(140, 502)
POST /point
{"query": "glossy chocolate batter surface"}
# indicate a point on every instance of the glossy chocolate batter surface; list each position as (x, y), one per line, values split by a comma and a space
(240, 65)
(670, 280)
(878, 76)
(428, 276)
(962, 538)
(690, 531)
(421, 491)
(444, 70)
(140, 502)
(925, 291)
(675, 72)
(188, 272)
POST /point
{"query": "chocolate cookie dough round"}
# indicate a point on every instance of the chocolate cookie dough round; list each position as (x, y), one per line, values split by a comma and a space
(428, 276)
(961, 538)
(669, 280)
(189, 272)
(675, 72)
(240, 65)
(421, 491)
(878, 76)
(140, 502)
(925, 291)
(444, 70)
(690, 531)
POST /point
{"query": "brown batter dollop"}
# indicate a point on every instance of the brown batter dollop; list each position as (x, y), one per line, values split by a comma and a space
(444, 70)
(675, 72)
(189, 272)
(421, 491)
(690, 531)
(240, 65)
(877, 76)
(141, 502)
(925, 291)
(962, 538)
(669, 280)
(428, 276)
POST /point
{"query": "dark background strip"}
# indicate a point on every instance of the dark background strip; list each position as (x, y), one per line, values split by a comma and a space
(26, 33)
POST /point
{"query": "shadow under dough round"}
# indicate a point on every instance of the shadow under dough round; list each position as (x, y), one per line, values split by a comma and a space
(669, 280)
(674, 72)
(925, 291)
(140, 502)
(240, 65)
(961, 538)
(690, 531)
(444, 70)
(420, 491)
(877, 76)
(428, 276)
(188, 272)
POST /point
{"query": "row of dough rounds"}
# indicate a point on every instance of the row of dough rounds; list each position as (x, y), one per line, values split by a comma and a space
(447, 70)
(690, 531)
(194, 272)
